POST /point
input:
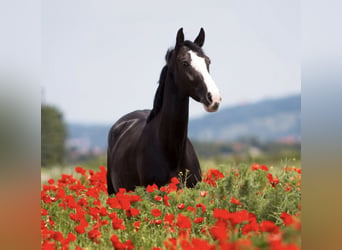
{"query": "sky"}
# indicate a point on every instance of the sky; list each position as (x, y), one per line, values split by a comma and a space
(102, 59)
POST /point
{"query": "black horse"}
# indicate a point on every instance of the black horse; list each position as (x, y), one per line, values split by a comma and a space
(151, 146)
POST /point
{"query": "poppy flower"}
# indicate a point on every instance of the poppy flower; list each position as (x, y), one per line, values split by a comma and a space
(116, 242)
(250, 227)
(268, 226)
(287, 219)
(183, 221)
(201, 205)
(180, 206)
(94, 234)
(156, 212)
(58, 236)
(158, 198)
(71, 237)
(151, 188)
(80, 229)
(174, 180)
(166, 200)
(80, 170)
(117, 223)
(273, 181)
(157, 222)
(191, 209)
(43, 212)
(219, 231)
(136, 225)
(132, 212)
(198, 220)
(168, 219)
(221, 213)
(255, 166)
(203, 193)
(235, 201)
(51, 181)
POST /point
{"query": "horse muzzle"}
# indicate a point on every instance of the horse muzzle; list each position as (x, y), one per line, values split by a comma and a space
(213, 102)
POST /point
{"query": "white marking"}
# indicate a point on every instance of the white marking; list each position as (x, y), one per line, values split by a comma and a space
(198, 63)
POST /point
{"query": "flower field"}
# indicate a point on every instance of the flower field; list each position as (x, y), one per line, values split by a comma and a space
(234, 207)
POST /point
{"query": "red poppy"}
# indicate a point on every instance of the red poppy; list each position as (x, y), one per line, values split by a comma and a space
(268, 226)
(235, 201)
(203, 193)
(71, 237)
(158, 198)
(116, 242)
(273, 181)
(80, 229)
(264, 167)
(58, 236)
(174, 180)
(168, 219)
(238, 217)
(136, 225)
(201, 205)
(287, 219)
(191, 209)
(117, 223)
(94, 234)
(172, 187)
(198, 220)
(157, 222)
(151, 188)
(201, 244)
(180, 206)
(221, 213)
(183, 221)
(51, 181)
(43, 212)
(80, 170)
(166, 200)
(255, 166)
(156, 212)
(252, 226)
(219, 231)
(132, 212)
(212, 176)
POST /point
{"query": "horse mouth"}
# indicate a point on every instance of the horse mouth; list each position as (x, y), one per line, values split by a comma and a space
(212, 107)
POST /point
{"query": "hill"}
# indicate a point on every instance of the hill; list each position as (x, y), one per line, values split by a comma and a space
(267, 120)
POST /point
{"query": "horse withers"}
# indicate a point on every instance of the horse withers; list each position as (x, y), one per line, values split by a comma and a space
(152, 146)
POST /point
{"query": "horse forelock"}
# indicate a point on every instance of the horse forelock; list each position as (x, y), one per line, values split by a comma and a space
(194, 47)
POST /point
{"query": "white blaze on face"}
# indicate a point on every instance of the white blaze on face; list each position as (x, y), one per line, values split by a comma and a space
(198, 63)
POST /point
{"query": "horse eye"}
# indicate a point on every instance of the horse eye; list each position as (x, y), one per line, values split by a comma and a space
(185, 64)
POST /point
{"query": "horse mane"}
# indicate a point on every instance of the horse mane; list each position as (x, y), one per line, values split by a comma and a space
(158, 98)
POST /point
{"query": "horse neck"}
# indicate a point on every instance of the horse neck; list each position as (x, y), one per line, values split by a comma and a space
(173, 125)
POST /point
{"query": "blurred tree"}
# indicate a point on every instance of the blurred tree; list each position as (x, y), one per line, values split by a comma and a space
(53, 134)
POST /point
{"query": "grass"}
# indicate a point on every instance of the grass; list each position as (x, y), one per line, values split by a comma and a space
(236, 205)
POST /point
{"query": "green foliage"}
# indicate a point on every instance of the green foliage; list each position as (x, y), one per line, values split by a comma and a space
(53, 136)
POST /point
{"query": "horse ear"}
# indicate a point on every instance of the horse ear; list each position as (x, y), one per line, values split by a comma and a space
(200, 38)
(180, 38)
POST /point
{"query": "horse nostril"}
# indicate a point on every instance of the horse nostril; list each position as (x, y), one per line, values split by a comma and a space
(210, 99)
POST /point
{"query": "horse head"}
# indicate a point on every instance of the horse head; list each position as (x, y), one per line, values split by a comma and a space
(190, 68)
